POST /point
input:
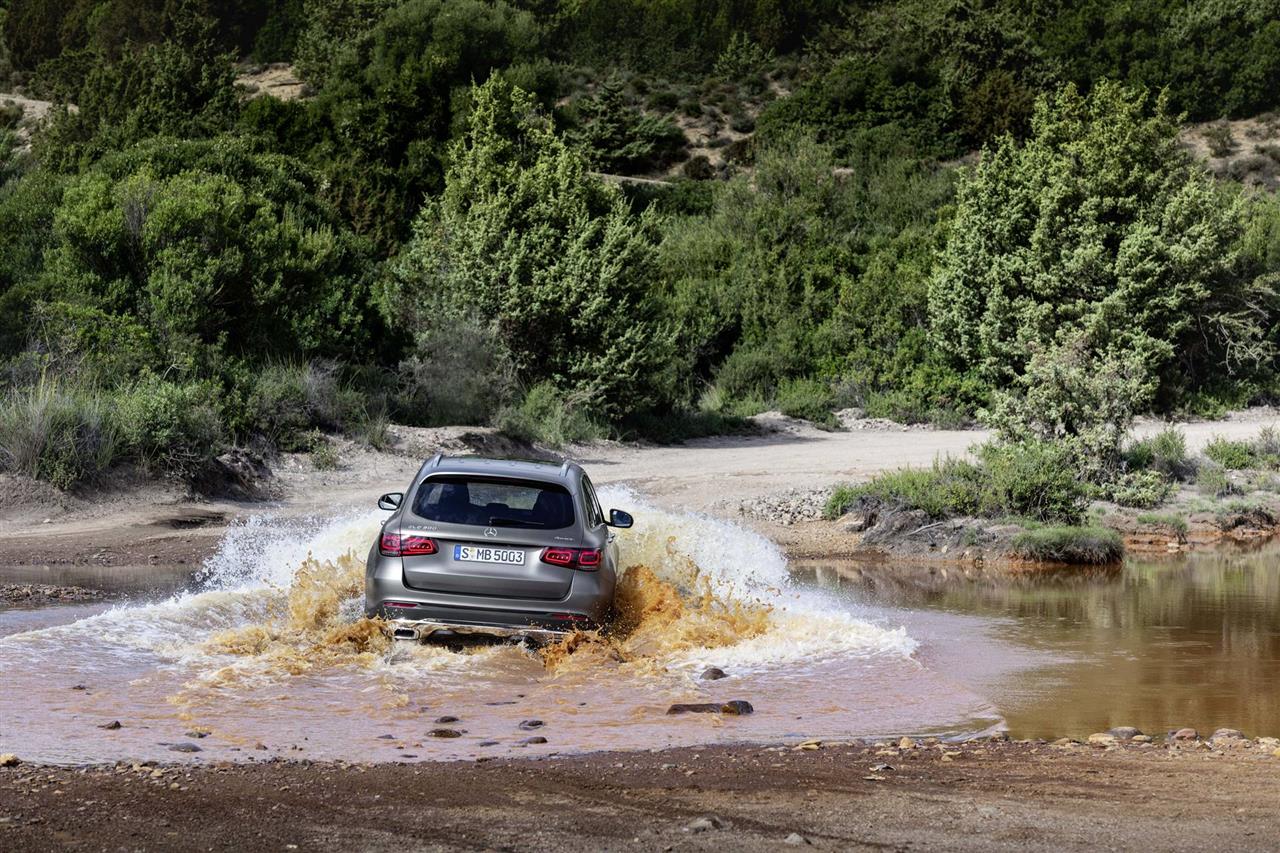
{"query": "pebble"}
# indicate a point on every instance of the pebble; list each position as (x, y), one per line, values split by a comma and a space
(737, 707)
(694, 708)
(197, 733)
(795, 839)
(111, 726)
(906, 743)
(787, 508)
(444, 733)
(534, 739)
(9, 760)
(713, 673)
(446, 719)
(185, 747)
(1103, 739)
(386, 737)
(1185, 734)
(529, 725)
(488, 743)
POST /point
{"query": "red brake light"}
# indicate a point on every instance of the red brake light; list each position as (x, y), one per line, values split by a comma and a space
(587, 559)
(558, 556)
(395, 545)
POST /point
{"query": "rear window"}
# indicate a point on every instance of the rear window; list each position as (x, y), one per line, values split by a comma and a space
(494, 503)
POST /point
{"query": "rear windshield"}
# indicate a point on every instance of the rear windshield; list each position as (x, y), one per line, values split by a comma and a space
(494, 503)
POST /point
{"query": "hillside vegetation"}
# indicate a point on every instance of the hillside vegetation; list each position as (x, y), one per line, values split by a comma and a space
(933, 210)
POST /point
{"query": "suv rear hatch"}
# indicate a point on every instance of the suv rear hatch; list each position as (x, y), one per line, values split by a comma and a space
(489, 536)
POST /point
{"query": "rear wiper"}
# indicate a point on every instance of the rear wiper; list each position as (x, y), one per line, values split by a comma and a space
(500, 521)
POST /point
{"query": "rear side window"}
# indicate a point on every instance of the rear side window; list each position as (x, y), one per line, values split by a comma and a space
(491, 502)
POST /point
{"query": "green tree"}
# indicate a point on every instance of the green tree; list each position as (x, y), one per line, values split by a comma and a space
(1098, 242)
(618, 136)
(525, 238)
(216, 248)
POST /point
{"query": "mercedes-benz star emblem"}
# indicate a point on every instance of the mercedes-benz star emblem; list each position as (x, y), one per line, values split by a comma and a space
(491, 532)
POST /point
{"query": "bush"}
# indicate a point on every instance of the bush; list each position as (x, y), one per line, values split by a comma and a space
(810, 399)
(1140, 489)
(288, 400)
(1176, 523)
(171, 428)
(1063, 242)
(1036, 481)
(1068, 544)
(458, 373)
(324, 456)
(1234, 455)
(64, 435)
(1212, 480)
(1165, 453)
(549, 416)
(1033, 479)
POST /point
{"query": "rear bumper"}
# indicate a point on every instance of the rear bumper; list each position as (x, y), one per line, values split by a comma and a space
(425, 629)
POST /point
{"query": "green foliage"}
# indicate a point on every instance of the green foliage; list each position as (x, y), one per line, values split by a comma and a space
(1091, 545)
(811, 399)
(65, 435)
(1165, 453)
(215, 248)
(457, 373)
(1212, 481)
(549, 416)
(324, 456)
(1093, 271)
(289, 401)
(1037, 481)
(1140, 489)
(524, 238)
(1233, 455)
(742, 58)
(1176, 523)
(619, 137)
(171, 428)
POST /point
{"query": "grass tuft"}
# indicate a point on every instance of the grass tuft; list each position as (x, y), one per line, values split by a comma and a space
(1090, 545)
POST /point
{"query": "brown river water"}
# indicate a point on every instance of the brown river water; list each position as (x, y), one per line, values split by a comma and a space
(268, 655)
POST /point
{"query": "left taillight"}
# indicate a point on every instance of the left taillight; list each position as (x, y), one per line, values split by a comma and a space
(395, 545)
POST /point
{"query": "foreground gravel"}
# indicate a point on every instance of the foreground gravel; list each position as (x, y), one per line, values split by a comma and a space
(828, 796)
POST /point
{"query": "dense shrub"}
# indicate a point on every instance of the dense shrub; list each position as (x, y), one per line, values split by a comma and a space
(1165, 453)
(63, 434)
(1140, 489)
(549, 416)
(170, 428)
(1089, 545)
(1094, 271)
(524, 238)
(1230, 454)
(617, 136)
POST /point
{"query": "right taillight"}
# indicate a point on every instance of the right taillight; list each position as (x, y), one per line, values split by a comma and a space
(395, 545)
(585, 559)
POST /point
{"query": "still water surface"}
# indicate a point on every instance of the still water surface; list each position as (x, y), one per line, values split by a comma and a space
(1159, 644)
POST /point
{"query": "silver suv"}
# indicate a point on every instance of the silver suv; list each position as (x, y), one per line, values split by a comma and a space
(490, 546)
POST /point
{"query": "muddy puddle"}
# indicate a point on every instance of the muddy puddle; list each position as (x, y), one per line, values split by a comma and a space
(1158, 643)
(269, 656)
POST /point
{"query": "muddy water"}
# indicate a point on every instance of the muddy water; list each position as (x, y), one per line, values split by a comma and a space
(269, 655)
(1159, 644)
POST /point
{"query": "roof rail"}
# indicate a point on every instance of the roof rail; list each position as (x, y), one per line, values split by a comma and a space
(564, 469)
(436, 460)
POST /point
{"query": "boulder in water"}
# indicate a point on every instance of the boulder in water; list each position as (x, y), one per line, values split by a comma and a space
(713, 673)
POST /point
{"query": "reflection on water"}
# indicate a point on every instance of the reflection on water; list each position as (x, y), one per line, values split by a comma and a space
(1188, 641)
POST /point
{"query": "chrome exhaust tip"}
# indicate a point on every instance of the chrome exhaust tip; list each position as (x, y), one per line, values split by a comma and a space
(405, 634)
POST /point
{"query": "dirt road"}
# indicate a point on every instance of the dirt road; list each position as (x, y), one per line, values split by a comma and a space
(981, 797)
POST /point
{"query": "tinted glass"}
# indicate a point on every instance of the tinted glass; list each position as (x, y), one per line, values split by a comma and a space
(593, 504)
(494, 503)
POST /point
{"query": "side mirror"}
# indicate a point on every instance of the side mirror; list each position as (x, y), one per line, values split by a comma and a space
(618, 518)
(391, 500)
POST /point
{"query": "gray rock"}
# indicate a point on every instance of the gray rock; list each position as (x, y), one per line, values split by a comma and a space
(737, 707)
(386, 737)
(446, 719)
(713, 673)
(694, 708)
(795, 839)
(706, 824)
(445, 733)
(1185, 734)
(488, 743)
(185, 747)
(1124, 732)
(1227, 734)
(534, 739)
(111, 726)
(197, 733)
(530, 725)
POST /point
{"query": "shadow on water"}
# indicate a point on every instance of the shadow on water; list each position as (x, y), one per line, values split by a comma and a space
(1158, 644)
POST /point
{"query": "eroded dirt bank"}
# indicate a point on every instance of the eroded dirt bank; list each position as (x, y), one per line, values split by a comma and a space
(980, 796)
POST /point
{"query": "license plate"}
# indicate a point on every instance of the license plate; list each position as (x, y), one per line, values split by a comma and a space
(484, 554)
